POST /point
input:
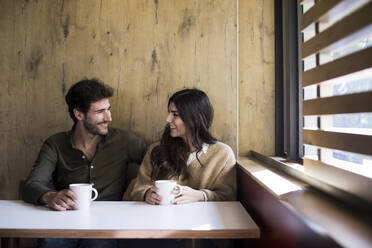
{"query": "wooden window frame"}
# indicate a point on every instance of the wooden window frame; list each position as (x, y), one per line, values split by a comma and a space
(291, 108)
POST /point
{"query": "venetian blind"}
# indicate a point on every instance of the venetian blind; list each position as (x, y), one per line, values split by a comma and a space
(337, 93)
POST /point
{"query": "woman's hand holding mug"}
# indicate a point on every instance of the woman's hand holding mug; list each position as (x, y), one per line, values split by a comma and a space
(163, 193)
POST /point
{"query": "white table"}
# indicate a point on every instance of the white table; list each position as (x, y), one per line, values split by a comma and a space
(118, 219)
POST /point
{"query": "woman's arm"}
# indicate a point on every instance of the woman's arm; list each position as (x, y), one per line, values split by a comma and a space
(225, 188)
(216, 177)
(143, 181)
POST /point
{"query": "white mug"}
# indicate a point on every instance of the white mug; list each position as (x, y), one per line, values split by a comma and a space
(83, 191)
(165, 190)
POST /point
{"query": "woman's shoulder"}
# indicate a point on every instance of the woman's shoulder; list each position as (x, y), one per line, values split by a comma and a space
(221, 152)
(221, 147)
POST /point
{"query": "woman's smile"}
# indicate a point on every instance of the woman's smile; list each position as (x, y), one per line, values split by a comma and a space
(176, 124)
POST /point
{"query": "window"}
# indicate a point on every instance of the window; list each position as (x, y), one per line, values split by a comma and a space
(334, 86)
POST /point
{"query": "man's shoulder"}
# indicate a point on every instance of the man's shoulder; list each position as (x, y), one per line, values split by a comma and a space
(61, 139)
(115, 132)
(61, 136)
(122, 135)
(127, 140)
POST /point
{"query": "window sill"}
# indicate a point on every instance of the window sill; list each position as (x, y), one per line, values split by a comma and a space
(345, 225)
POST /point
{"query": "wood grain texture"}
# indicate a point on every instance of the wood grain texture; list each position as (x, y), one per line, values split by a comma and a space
(340, 178)
(343, 66)
(145, 50)
(256, 77)
(357, 143)
(319, 10)
(339, 33)
(269, 213)
(145, 234)
(350, 103)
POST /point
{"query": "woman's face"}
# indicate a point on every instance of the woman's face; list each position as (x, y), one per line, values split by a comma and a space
(177, 127)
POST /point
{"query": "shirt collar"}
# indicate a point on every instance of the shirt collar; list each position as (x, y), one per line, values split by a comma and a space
(192, 155)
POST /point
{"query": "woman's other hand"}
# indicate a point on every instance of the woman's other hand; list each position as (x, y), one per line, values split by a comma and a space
(188, 195)
(151, 197)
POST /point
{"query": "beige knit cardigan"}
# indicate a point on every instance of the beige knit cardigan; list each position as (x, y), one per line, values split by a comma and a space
(216, 176)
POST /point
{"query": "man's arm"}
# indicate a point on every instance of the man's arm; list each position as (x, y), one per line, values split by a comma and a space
(38, 182)
(37, 188)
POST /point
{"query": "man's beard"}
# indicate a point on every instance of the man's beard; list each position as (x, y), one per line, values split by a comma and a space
(92, 128)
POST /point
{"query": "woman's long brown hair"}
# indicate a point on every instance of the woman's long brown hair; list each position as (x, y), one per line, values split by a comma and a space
(169, 158)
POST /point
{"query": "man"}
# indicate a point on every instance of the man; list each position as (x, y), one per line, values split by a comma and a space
(91, 152)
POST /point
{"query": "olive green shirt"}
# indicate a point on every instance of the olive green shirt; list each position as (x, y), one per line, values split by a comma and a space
(59, 164)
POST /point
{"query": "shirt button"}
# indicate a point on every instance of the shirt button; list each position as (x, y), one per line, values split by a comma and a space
(83, 157)
(91, 166)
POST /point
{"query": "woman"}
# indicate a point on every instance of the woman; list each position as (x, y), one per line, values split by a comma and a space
(188, 154)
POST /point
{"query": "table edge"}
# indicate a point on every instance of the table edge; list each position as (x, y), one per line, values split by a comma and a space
(166, 234)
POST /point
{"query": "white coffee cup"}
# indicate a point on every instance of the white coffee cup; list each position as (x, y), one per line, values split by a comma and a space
(83, 192)
(165, 190)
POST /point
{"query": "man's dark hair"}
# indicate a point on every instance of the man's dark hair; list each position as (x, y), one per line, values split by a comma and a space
(85, 92)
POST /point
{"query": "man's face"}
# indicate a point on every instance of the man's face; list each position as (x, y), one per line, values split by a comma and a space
(98, 117)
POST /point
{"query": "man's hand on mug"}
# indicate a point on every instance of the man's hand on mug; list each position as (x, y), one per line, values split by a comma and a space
(61, 201)
(151, 197)
(188, 195)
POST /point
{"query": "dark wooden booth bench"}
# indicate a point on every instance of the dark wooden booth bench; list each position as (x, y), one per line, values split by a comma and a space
(303, 218)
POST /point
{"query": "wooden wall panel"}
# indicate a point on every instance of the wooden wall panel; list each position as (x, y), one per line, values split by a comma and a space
(256, 77)
(144, 49)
